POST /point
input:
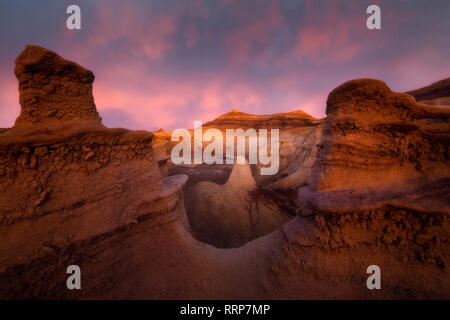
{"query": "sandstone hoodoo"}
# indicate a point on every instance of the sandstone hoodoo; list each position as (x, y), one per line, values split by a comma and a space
(381, 138)
(68, 181)
(52, 88)
(367, 187)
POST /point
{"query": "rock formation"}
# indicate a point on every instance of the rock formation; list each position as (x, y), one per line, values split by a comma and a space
(372, 181)
(382, 139)
(377, 191)
(376, 195)
(436, 94)
(299, 135)
(52, 88)
(238, 119)
(228, 215)
(65, 179)
(232, 214)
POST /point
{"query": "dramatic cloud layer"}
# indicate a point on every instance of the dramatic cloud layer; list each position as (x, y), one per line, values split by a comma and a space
(165, 63)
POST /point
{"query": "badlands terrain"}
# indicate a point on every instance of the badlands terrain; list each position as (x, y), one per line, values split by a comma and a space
(367, 185)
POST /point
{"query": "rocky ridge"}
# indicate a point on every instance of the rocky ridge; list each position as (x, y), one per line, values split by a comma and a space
(436, 94)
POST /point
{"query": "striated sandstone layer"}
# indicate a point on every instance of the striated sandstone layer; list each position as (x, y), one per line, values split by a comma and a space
(377, 195)
(374, 138)
(69, 185)
(299, 134)
(238, 119)
(437, 90)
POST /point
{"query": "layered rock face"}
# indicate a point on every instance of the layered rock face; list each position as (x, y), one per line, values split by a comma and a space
(377, 195)
(66, 181)
(226, 212)
(376, 138)
(238, 119)
(299, 134)
(437, 93)
(52, 88)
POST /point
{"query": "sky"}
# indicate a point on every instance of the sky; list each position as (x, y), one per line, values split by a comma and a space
(165, 63)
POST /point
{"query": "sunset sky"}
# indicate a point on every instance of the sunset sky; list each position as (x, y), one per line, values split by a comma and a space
(165, 63)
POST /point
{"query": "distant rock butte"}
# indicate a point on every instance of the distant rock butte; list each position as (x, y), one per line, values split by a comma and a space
(439, 89)
(238, 119)
(52, 88)
(299, 134)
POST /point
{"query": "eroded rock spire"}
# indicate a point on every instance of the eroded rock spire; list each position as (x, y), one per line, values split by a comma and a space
(52, 88)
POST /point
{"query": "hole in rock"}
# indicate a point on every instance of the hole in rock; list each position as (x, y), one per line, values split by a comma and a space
(227, 207)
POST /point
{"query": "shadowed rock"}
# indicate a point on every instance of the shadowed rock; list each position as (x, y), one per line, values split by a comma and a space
(439, 89)
(52, 88)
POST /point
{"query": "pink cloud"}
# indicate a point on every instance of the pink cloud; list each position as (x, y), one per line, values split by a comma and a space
(330, 36)
(9, 100)
(248, 55)
(191, 35)
(198, 9)
(314, 105)
(155, 101)
(252, 28)
(149, 35)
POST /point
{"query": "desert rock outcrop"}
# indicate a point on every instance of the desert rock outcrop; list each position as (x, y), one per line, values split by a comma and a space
(232, 214)
(238, 119)
(52, 88)
(376, 138)
(377, 194)
(437, 93)
(374, 191)
(439, 89)
(299, 134)
(67, 182)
